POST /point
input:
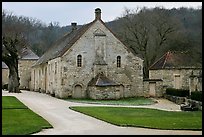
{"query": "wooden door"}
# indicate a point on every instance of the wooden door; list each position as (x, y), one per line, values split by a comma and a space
(152, 89)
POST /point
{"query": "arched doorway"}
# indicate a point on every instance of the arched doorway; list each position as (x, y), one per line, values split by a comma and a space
(77, 92)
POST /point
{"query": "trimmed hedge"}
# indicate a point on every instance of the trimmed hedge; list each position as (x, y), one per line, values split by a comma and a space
(196, 95)
(177, 92)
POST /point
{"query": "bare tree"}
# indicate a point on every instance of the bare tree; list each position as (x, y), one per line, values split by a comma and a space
(10, 57)
(13, 41)
(146, 32)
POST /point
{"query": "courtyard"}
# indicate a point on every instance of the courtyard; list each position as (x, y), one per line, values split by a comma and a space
(68, 122)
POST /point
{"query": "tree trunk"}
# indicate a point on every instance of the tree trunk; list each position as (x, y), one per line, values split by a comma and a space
(13, 84)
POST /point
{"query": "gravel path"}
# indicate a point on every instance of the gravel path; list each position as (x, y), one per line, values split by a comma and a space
(68, 122)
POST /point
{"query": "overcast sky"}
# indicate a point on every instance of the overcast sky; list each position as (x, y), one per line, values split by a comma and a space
(82, 12)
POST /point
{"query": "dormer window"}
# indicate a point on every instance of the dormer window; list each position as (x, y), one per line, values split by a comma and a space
(79, 61)
(118, 61)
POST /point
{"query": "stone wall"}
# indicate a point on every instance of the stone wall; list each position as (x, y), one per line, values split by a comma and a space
(106, 92)
(195, 83)
(176, 99)
(168, 77)
(158, 88)
(184, 100)
(38, 78)
(24, 70)
(5, 75)
(54, 76)
(198, 104)
(47, 77)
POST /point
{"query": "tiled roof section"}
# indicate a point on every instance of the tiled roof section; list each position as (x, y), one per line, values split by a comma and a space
(27, 53)
(175, 59)
(102, 80)
(4, 66)
(63, 44)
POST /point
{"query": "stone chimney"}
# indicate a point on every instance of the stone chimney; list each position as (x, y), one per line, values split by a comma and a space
(74, 26)
(97, 13)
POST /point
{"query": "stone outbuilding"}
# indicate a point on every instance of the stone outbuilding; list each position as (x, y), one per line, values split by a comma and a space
(177, 70)
(26, 59)
(89, 62)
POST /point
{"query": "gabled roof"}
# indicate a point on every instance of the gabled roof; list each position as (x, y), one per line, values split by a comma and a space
(63, 44)
(175, 59)
(102, 80)
(27, 53)
(66, 42)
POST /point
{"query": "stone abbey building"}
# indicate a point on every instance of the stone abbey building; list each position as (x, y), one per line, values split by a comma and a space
(89, 62)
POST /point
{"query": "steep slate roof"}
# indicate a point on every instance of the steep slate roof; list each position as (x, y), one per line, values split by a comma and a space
(27, 53)
(63, 44)
(175, 59)
(102, 80)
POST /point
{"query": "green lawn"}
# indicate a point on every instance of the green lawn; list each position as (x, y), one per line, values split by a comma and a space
(144, 117)
(125, 101)
(11, 102)
(17, 119)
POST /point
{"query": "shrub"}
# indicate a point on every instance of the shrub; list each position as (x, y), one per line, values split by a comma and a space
(196, 95)
(177, 92)
(5, 86)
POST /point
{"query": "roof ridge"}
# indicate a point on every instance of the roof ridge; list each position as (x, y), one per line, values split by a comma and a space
(30, 48)
(167, 55)
(82, 27)
(72, 36)
(157, 60)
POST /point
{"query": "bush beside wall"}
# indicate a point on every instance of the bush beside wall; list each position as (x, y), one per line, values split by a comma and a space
(196, 95)
(177, 92)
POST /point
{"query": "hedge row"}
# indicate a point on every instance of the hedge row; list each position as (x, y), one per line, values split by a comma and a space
(196, 95)
(177, 92)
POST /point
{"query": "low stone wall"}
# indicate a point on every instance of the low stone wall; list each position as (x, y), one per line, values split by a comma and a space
(158, 87)
(106, 92)
(198, 104)
(175, 99)
(180, 100)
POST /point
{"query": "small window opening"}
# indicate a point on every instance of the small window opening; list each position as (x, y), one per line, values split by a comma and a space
(118, 61)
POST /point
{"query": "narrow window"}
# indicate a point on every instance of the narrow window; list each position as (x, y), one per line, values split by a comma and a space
(55, 67)
(118, 61)
(79, 61)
